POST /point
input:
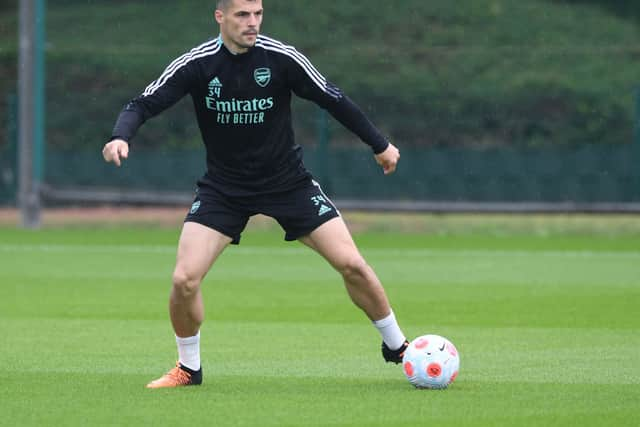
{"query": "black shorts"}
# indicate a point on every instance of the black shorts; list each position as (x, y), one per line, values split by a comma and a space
(298, 211)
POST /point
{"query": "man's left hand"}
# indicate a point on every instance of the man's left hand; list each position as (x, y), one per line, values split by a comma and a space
(388, 159)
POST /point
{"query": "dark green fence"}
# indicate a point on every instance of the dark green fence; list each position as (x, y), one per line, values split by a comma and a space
(8, 154)
(586, 174)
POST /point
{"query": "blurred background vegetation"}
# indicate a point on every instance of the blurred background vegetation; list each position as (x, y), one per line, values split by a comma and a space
(474, 75)
(465, 72)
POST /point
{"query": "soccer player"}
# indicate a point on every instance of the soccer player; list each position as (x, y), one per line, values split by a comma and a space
(241, 84)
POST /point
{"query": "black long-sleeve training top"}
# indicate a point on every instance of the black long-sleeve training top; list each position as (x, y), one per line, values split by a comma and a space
(243, 106)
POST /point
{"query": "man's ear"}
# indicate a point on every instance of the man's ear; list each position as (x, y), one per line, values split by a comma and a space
(219, 16)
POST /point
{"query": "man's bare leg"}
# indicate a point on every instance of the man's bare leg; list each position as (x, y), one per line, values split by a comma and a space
(198, 249)
(334, 242)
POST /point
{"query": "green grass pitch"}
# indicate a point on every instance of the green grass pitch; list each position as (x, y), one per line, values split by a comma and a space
(548, 328)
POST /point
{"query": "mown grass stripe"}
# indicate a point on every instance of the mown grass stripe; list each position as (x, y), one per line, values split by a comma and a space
(255, 250)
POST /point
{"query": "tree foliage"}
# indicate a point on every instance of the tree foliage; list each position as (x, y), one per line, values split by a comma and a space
(470, 72)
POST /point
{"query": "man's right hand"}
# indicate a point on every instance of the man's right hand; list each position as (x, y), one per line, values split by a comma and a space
(116, 150)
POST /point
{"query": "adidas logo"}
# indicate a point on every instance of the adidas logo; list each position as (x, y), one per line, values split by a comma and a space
(323, 210)
(215, 87)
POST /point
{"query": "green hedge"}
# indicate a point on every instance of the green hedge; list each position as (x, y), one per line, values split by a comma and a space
(470, 72)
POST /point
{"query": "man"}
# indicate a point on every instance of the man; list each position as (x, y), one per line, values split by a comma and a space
(241, 85)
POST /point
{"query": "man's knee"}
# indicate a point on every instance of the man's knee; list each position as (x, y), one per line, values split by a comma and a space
(185, 282)
(354, 267)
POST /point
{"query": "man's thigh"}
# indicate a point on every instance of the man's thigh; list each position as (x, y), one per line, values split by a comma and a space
(333, 241)
(198, 248)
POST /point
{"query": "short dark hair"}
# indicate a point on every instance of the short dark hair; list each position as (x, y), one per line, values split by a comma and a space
(224, 4)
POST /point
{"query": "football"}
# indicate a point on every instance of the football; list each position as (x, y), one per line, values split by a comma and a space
(431, 361)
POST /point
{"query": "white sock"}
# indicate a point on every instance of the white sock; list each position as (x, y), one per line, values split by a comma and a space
(390, 331)
(189, 351)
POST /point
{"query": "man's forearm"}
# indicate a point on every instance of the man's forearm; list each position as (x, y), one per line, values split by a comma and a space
(353, 118)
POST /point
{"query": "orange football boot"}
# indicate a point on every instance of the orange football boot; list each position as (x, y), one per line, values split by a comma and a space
(177, 377)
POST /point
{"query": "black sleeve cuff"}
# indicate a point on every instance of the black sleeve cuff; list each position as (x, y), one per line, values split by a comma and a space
(128, 123)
